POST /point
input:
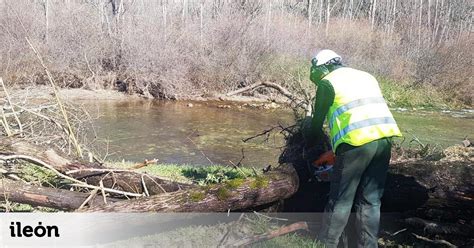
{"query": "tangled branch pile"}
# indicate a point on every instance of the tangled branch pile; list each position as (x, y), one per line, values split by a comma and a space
(42, 123)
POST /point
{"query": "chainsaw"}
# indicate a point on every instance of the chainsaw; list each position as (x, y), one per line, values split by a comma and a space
(323, 173)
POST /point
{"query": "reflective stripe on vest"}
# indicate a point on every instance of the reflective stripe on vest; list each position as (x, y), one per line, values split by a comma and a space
(359, 113)
(362, 124)
(354, 104)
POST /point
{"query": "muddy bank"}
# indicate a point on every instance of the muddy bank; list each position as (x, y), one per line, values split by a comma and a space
(39, 94)
(45, 93)
(254, 100)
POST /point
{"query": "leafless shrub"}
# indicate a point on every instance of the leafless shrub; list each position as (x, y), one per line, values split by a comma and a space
(41, 122)
(201, 47)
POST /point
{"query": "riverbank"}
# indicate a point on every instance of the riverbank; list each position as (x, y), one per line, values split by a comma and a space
(397, 96)
(133, 128)
(45, 93)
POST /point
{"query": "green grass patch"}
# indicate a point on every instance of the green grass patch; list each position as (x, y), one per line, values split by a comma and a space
(204, 175)
(15, 207)
(39, 175)
(7, 206)
(405, 95)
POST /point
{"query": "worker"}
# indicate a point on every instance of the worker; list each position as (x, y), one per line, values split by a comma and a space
(360, 127)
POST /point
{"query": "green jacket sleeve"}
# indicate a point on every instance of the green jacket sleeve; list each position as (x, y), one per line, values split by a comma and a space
(324, 99)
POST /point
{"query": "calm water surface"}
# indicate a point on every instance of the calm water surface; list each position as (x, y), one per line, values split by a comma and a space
(175, 133)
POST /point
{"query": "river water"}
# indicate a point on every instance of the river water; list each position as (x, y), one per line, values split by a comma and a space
(204, 134)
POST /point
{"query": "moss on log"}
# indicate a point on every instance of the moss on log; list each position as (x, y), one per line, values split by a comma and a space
(233, 195)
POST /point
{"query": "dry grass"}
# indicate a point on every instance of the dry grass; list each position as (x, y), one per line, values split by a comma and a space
(199, 48)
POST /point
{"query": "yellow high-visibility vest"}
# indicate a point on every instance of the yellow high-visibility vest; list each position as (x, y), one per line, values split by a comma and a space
(359, 113)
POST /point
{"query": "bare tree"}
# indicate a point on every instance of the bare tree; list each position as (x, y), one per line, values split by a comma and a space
(194, 47)
(374, 7)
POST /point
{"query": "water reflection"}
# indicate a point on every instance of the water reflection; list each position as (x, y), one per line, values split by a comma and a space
(203, 134)
(176, 133)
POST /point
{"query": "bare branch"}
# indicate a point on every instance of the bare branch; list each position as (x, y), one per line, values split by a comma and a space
(76, 182)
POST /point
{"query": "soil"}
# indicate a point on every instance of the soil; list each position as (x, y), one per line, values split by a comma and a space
(38, 95)
(44, 93)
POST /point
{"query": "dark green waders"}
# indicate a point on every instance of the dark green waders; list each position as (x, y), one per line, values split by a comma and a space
(358, 178)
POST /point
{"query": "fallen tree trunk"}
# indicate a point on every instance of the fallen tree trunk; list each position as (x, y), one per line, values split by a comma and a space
(20, 192)
(92, 173)
(425, 186)
(233, 195)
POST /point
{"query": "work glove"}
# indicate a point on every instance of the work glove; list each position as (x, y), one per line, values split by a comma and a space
(327, 158)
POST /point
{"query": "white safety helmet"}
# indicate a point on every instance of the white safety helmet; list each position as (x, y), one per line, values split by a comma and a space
(325, 56)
